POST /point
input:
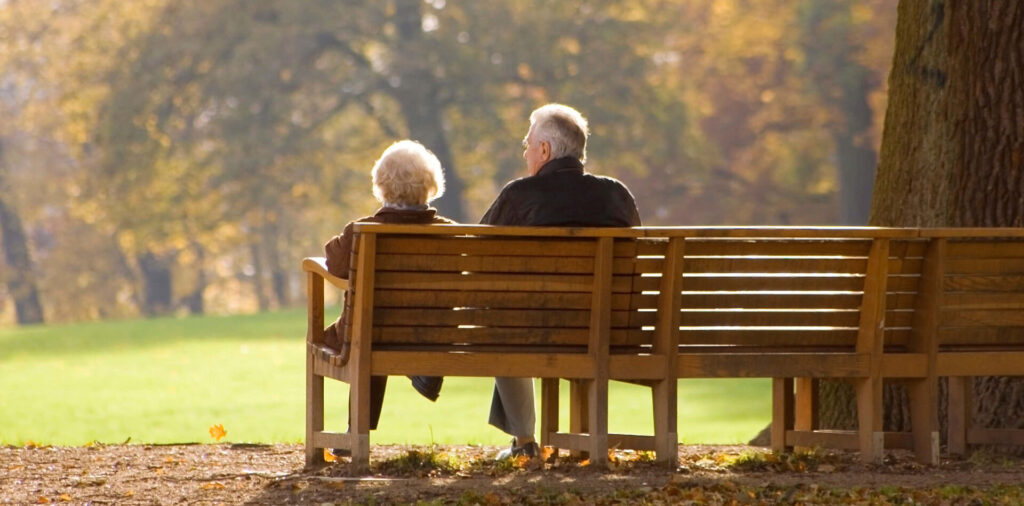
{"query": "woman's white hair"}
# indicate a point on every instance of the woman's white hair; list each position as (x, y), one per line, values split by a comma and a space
(407, 174)
(562, 127)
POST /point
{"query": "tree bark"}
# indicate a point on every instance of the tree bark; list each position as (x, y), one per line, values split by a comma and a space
(417, 90)
(953, 148)
(21, 281)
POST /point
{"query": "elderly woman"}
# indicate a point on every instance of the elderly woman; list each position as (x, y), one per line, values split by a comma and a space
(406, 177)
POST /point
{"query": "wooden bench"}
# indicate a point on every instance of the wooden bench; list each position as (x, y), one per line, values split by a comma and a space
(978, 322)
(799, 305)
(651, 305)
(456, 300)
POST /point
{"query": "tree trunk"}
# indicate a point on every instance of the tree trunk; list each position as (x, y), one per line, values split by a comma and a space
(194, 300)
(21, 281)
(262, 300)
(278, 274)
(953, 149)
(417, 91)
(156, 281)
(856, 158)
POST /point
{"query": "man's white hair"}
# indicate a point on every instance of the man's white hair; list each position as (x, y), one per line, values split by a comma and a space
(564, 128)
(407, 174)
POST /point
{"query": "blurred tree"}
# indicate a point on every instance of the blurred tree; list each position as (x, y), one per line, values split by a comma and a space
(20, 272)
(837, 74)
(203, 146)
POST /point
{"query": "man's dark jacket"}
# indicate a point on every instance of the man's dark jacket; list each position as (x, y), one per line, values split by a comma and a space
(561, 194)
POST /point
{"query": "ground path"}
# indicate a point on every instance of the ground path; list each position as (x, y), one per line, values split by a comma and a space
(273, 474)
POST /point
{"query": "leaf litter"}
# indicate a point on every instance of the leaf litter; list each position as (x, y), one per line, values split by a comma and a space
(467, 474)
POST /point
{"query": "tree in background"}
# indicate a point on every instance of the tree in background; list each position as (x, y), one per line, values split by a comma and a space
(953, 151)
(202, 147)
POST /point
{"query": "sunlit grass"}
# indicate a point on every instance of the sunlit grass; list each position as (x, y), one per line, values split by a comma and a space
(168, 380)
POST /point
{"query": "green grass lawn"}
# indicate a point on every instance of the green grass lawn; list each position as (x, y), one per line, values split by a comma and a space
(168, 380)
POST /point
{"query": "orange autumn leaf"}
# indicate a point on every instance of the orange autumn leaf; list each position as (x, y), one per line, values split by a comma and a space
(65, 498)
(213, 485)
(546, 453)
(328, 456)
(42, 500)
(585, 463)
(217, 431)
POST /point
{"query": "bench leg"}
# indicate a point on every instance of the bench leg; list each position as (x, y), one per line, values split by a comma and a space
(597, 391)
(961, 393)
(314, 413)
(871, 439)
(578, 411)
(805, 406)
(664, 398)
(782, 411)
(548, 411)
(359, 420)
(923, 395)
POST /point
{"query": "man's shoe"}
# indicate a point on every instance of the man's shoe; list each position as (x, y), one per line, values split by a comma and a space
(428, 386)
(530, 450)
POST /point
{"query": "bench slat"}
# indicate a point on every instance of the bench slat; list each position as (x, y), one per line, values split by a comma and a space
(511, 283)
(506, 335)
(727, 318)
(981, 336)
(781, 247)
(985, 249)
(549, 318)
(773, 365)
(754, 300)
(985, 266)
(982, 318)
(961, 283)
(695, 265)
(983, 300)
(768, 337)
(505, 300)
(510, 264)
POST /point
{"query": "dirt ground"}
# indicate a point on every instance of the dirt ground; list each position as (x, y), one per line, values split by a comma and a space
(274, 474)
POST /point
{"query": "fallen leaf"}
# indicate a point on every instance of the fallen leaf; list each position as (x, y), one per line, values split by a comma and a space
(328, 456)
(129, 493)
(546, 453)
(65, 498)
(42, 500)
(213, 485)
(217, 431)
(585, 463)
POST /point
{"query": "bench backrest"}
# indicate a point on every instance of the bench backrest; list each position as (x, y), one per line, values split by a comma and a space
(796, 289)
(982, 301)
(458, 287)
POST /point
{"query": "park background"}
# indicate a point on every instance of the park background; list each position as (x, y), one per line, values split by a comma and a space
(164, 166)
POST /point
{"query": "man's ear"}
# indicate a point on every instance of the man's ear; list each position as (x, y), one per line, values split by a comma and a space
(545, 150)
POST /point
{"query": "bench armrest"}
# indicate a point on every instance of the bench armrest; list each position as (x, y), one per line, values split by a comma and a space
(318, 265)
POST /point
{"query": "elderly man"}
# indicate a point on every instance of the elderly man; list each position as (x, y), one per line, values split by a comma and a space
(557, 192)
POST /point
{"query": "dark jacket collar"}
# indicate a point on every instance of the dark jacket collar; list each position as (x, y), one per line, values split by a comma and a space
(430, 211)
(566, 163)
